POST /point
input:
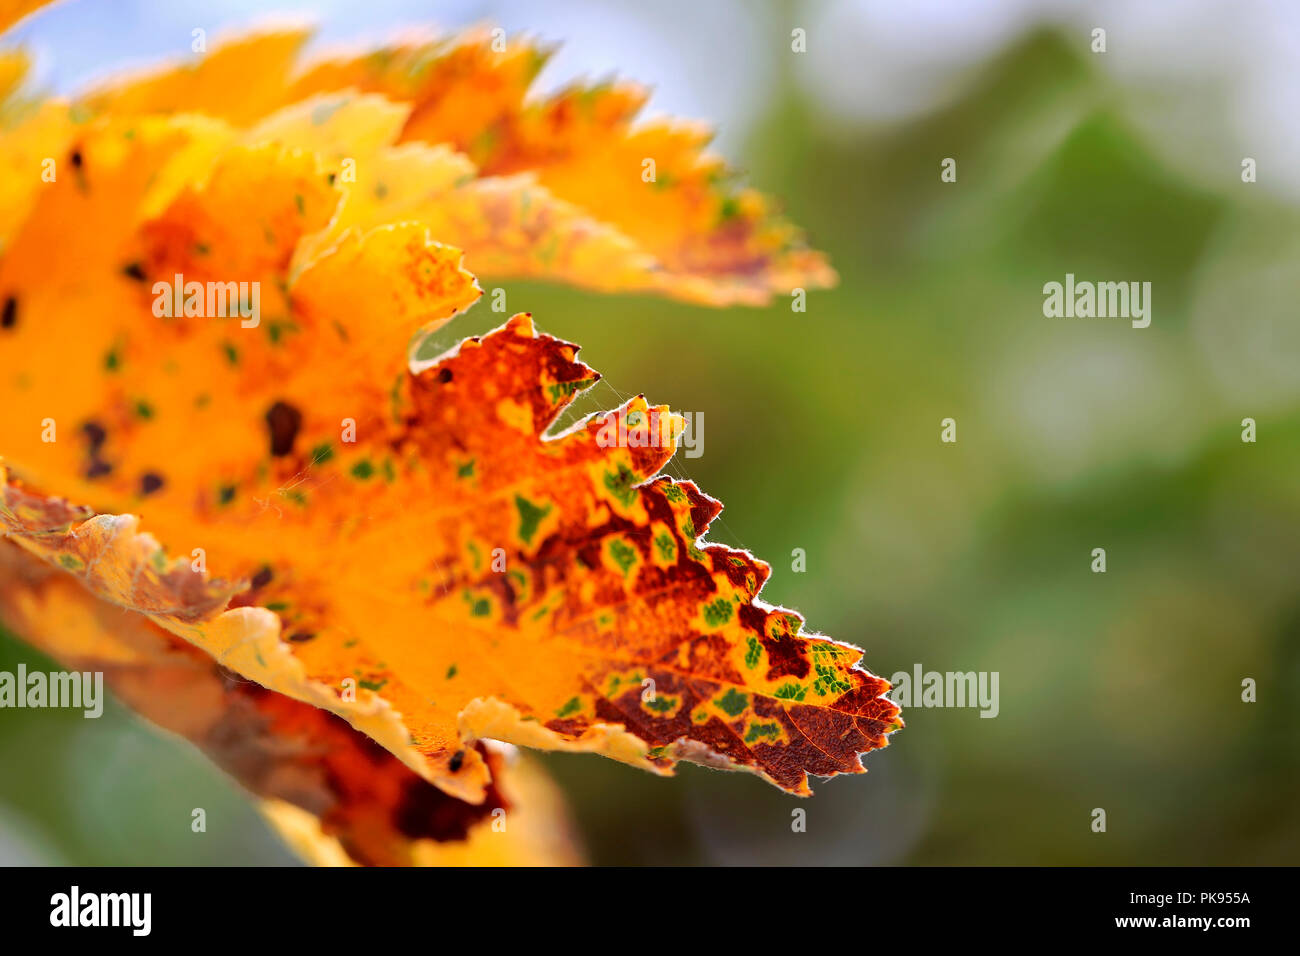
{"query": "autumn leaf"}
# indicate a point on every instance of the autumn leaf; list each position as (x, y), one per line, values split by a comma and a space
(364, 543)
(312, 771)
(604, 586)
(647, 192)
(593, 552)
(215, 369)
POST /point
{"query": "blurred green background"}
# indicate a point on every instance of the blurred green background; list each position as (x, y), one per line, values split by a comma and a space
(1119, 690)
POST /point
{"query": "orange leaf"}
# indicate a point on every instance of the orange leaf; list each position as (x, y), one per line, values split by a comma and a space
(708, 239)
(482, 580)
(359, 797)
(220, 346)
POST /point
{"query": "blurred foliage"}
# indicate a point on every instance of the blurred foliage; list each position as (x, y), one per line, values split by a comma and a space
(1119, 691)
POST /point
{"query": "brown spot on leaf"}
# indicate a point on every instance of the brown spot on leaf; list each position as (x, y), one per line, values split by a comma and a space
(95, 434)
(283, 422)
(787, 656)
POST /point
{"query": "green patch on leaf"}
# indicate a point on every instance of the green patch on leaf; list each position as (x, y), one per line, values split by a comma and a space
(717, 612)
(766, 730)
(662, 703)
(624, 554)
(478, 606)
(530, 516)
(790, 691)
(732, 703)
(622, 485)
(666, 547)
(560, 390)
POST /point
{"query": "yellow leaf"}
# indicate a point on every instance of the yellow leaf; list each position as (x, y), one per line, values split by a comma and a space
(647, 196)
(237, 81)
